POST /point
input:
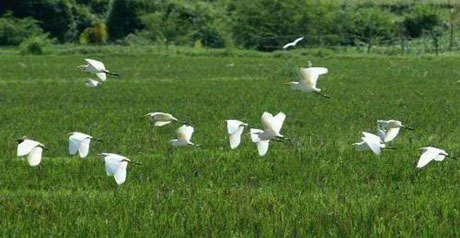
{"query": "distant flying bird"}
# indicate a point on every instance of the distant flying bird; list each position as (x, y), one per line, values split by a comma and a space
(32, 149)
(116, 165)
(370, 142)
(431, 153)
(272, 127)
(79, 142)
(292, 44)
(308, 78)
(97, 68)
(235, 129)
(387, 130)
(184, 135)
(92, 83)
(160, 118)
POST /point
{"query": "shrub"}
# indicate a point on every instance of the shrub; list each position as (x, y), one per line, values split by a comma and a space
(96, 34)
(36, 45)
(13, 30)
(420, 19)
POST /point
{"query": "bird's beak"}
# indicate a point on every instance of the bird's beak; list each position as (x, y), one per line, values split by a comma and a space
(408, 127)
(136, 163)
(287, 83)
(98, 140)
(451, 157)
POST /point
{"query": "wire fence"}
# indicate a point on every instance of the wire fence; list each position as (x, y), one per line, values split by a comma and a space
(394, 45)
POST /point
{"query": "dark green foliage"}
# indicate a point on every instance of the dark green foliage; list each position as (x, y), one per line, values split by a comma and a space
(183, 24)
(123, 18)
(421, 18)
(13, 30)
(35, 45)
(63, 19)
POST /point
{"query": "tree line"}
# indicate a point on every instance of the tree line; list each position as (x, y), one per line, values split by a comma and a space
(254, 24)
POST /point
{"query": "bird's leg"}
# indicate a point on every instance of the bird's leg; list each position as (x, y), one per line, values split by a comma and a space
(113, 74)
(324, 95)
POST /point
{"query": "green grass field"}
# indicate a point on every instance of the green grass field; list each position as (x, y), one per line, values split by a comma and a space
(316, 186)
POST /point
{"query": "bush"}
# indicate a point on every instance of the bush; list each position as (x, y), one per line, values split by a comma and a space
(13, 30)
(183, 24)
(36, 45)
(97, 34)
(421, 18)
(123, 18)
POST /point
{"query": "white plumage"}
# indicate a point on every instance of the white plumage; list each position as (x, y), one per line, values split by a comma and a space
(184, 135)
(79, 142)
(32, 149)
(429, 154)
(235, 128)
(272, 126)
(292, 44)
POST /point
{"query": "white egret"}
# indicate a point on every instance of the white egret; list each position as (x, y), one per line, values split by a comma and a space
(160, 118)
(32, 149)
(92, 83)
(431, 153)
(97, 68)
(235, 129)
(307, 80)
(292, 44)
(116, 165)
(79, 142)
(272, 127)
(370, 142)
(184, 135)
(387, 130)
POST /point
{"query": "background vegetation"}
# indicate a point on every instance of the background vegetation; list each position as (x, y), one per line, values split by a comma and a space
(259, 24)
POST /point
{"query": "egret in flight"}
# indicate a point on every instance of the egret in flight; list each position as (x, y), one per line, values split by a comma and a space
(116, 165)
(307, 80)
(32, 149)
(431, 153)
(370, 142)
(79, 142)
(387, 130)
(159, 119)
(235, 128)
(97, 68)
(272, 127)
(292, 44)
(184, 135)
(92, 83)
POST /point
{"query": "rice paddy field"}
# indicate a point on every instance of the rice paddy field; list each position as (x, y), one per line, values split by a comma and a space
(315, 186)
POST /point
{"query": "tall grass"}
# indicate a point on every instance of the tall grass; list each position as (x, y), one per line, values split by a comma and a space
(315, 186)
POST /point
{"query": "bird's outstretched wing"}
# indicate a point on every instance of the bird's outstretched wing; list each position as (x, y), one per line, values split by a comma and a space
(233, 126)
(278, 121)
(120, 174)
(391, 133)
(254, 136)
(35, 156)
(185, 132)
(297, 40)
(262, 147)
(161, 123)
(427, 156)
(26, 146)
(373, 142)
(309, 76)
(97, 65)
(112, 162)
(73, 145)
(83, 149)
(235, 138)
(267, 120)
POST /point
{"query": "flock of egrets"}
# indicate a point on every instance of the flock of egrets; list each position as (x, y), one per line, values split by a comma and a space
(116, 165)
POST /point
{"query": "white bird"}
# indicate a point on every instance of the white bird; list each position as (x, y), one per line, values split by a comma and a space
(387, 130)
(92, 83)
(32, 149)
(97, 68)
(184, 135)
(370, 142)
(160, 118)
(235, 128)
(431, 153)
(272, 127)
(292, 44)
(307, 80)
(116, 165)
(79, 142)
